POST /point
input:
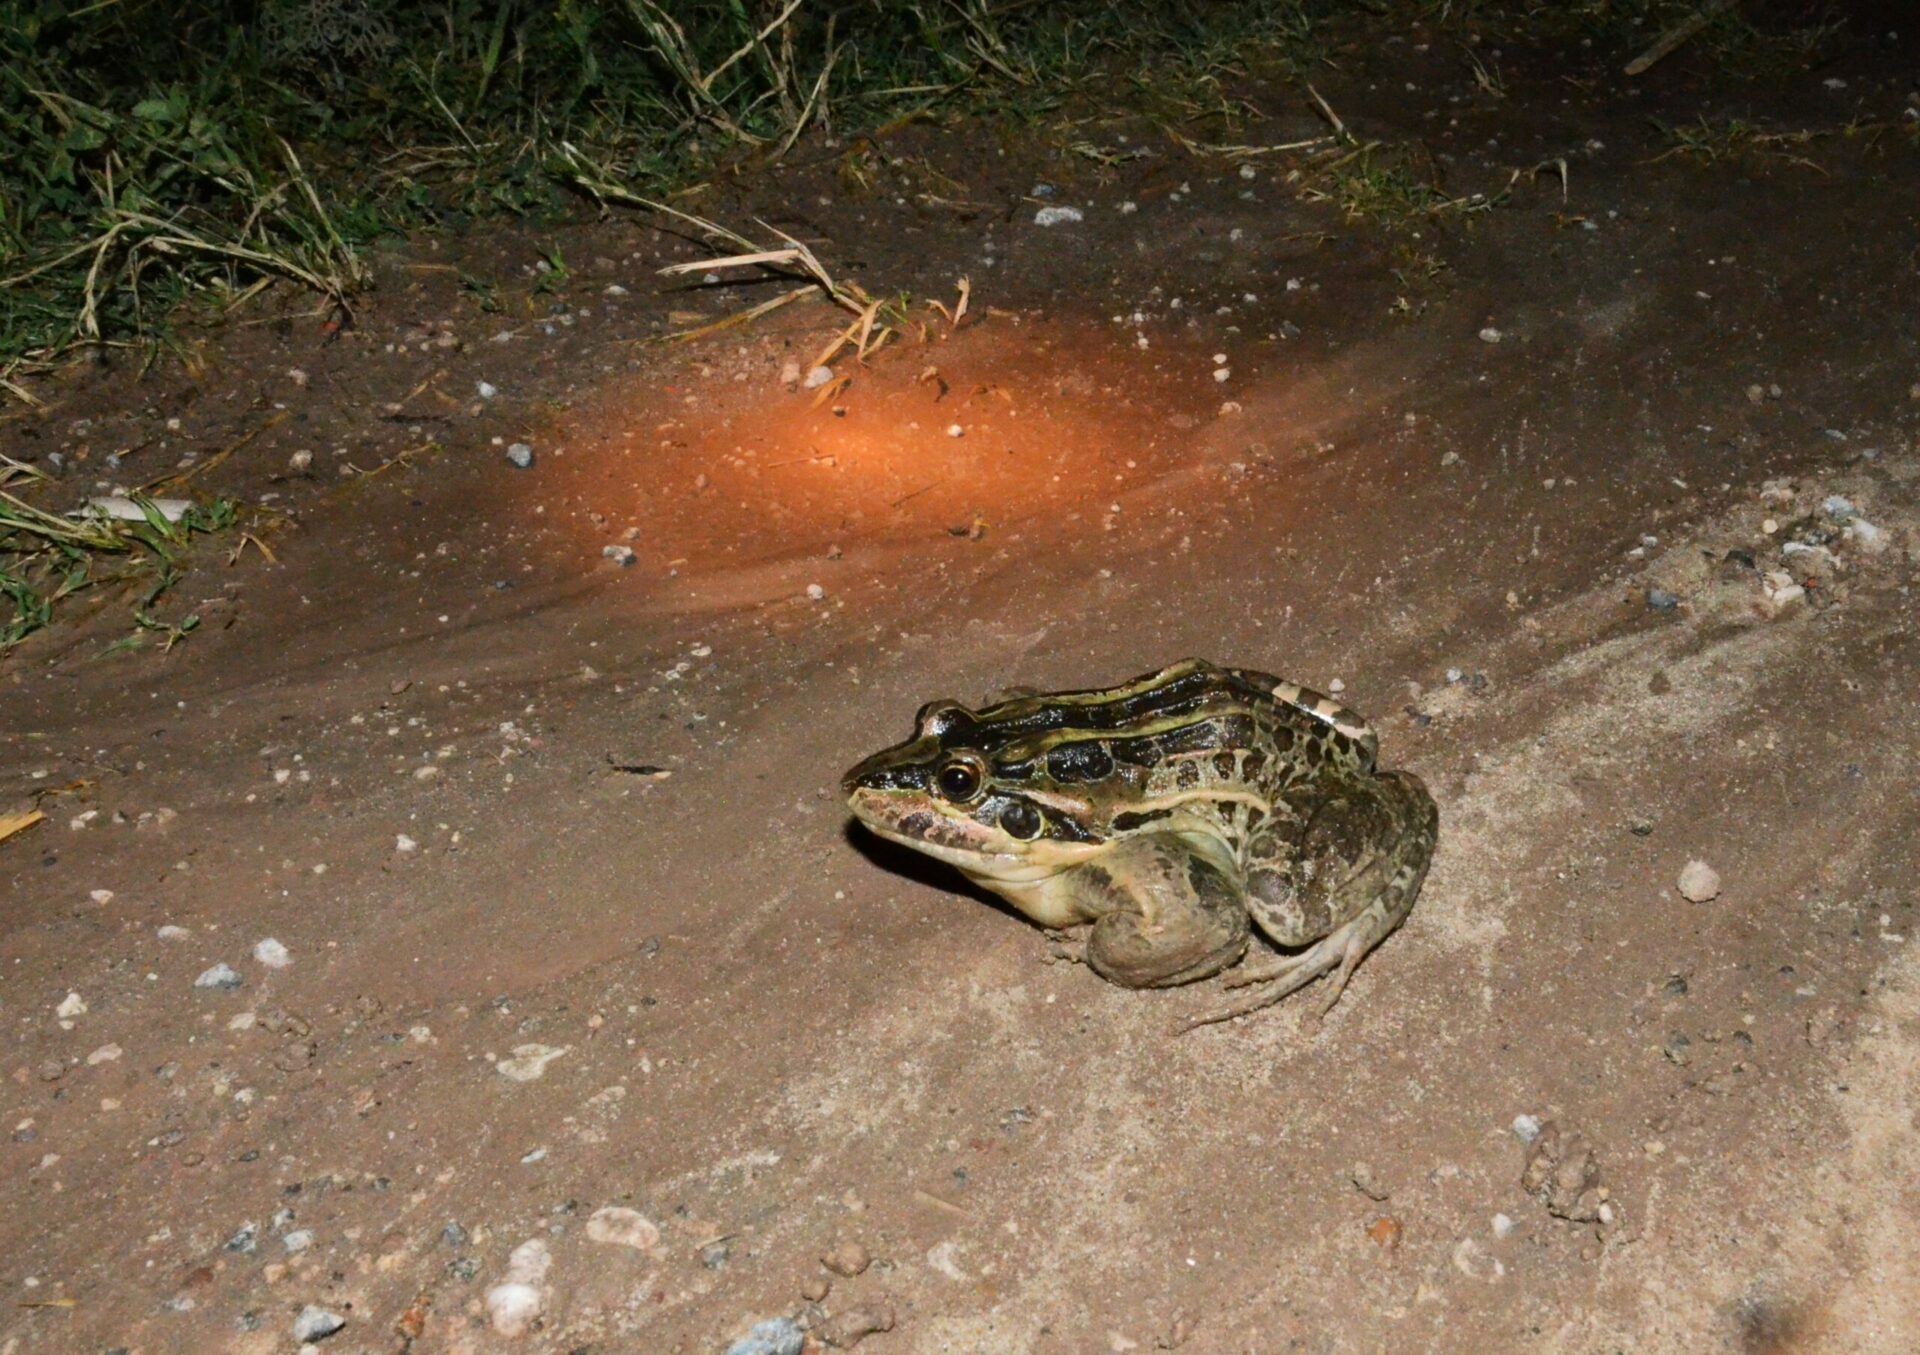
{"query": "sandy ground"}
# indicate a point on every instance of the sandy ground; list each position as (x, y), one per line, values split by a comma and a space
(581, 951)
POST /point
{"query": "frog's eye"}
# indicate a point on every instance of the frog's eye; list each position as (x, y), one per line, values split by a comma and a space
(1020, 820)
(959, 780)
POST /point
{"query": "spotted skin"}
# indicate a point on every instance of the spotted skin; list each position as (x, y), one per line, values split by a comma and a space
(1168, 811)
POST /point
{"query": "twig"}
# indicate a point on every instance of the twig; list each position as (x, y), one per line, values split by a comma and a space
(1671, 40)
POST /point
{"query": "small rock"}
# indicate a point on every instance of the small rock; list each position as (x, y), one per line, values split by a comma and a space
(486, 390)
(71, 1005)
(106, 1053)
(529, 1062)
(817, 377)
(297, 1241)
(620, 555)
(848, 1258)
(815, 593)
(1563, 1174)
(405, 845)
(1869, 538)
(954, 430)
(514, 1303)
(1385, 1233)
(1476, 1262)
(1058, 216)
(170, 932)
(789, 373)
(775, 1336)
(520, 455)
(300, 462)
(316, 1323)
(851, 1326)
(1699, 882)
(221, 975)
(1839, 508)
(1526, 1128)
(1502, 1226)
(1364, 1181)
(1660, 600)
(623, 1228)
(1491, 335)
(815, 1288)
(271, 953)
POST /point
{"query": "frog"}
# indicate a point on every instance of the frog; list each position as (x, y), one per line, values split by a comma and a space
(1175, 815)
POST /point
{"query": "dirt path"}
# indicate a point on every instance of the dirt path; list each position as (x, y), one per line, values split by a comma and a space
(576, 925)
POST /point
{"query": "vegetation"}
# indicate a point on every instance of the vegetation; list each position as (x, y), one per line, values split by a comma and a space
(154, 154)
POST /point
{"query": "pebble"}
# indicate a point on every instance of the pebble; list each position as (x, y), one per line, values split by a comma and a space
(221, 975)
(1491, 335)
(516, 1301)
(1866, 536)
(71, 1005)
(1839, 508)
(298, 1240)
(1058, 216)
(316, 1323)
(405, 845)
(106, 1053)
(850, 1326)
(520, 455)
(300, 462)
(817, 377)
(1526, 1128)
(529, 1062)
(816, 593)
(847, 1258)
(775, 1336)
(271, 953)
(620, 555)
(1699, 882)
(954, 430)
(1502, 1226)
(171, 932)
(1385, 1232)
(1660, 600)
(623, 1227)
(486, 390)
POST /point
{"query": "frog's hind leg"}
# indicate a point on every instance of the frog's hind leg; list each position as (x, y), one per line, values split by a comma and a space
(1374, 896)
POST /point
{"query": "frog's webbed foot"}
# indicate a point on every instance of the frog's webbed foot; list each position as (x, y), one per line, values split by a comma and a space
(1341, 950)
(1067, 946)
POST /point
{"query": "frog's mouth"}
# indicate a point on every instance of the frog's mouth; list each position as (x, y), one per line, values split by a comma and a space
(975, 850)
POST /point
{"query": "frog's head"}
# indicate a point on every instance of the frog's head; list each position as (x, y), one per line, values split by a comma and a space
(967, 789)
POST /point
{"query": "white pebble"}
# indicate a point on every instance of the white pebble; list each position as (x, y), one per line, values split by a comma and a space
(316, 1324)
(297, 1241)
(1699, 882)
(1526, 1128)
(513, 1304)
(816, 593)
(623, 1227)
(404, 844)
(1055, 216)
(520, 455)
(221, 975)
(106, 1053)
(487, 390)
(271, 953)
(818, 376)
(529, 1062)
(1336, 686)
(1491, 335)
(954, 430)
(170, 932)
(71, 1005)
(1502, 1226)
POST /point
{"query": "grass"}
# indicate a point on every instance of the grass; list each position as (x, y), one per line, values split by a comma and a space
(46, 558)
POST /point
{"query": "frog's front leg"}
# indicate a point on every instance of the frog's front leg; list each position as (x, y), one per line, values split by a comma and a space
(1335, 879)
(1164, 913)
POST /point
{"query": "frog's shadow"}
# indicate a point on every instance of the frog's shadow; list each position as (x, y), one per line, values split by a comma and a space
(921, 869)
